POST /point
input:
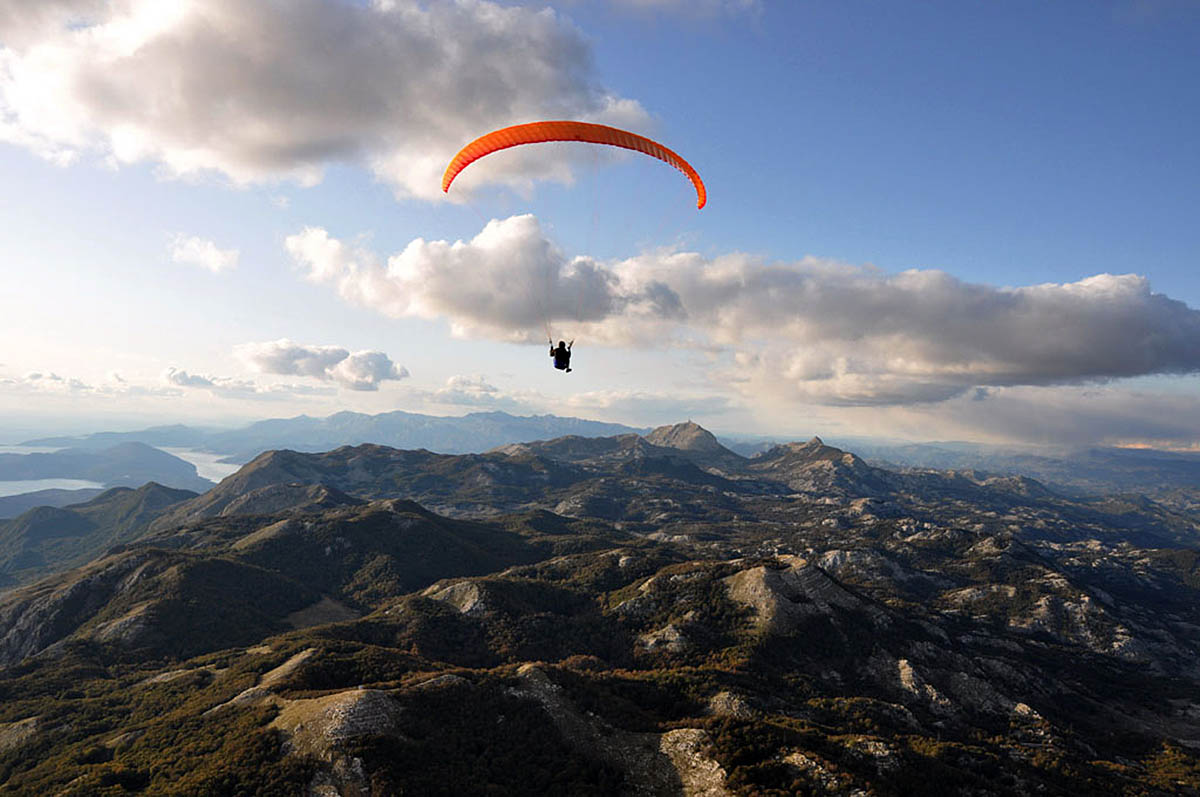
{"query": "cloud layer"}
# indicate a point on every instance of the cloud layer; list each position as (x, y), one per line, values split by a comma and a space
(47, 383)
(397, 85)
(477, 392)
(1105, 415)
(637, 407)
(363, 370)
(813, 329)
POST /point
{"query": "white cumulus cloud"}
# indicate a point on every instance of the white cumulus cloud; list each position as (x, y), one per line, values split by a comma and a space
(505, 283)
(363, 370)
(271, 89)
(181, 378)
(194, 251)
(476, 391)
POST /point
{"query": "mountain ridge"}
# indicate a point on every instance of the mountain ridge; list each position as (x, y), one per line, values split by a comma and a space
(470, 433)
(602, 616)
(45, 539)
(1084, 470)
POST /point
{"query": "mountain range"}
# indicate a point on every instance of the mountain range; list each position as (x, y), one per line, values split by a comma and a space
(1084, 470)
(1168, 475)
(471, 433)
(632, 614)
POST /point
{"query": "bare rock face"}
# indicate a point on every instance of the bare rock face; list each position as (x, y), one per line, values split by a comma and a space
(466, 596)
(729, 704)
(686, 437)
(318, 725)
(1077, 618)
(699, 774)
(276, 676)
(15, 734)
(912, 682)
(656, 765)
(783, 599)
(441, 681)
(818, 770)
(129, 627)
(670, 638)
(864, 566)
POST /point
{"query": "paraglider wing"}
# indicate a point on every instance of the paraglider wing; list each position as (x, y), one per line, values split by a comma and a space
(538, 132)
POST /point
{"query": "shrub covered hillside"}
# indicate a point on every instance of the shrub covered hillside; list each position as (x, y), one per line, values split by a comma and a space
(629, 615)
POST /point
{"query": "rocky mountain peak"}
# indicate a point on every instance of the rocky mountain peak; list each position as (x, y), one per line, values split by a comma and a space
(687, 436)
(815, 444)
(814, 450)
(150, 492)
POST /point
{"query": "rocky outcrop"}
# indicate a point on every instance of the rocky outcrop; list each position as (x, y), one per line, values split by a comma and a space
(730, 704)
(318, 726)
(670, 638)
(15, 734)
(466, 596)
(783, 599)
(656, 765)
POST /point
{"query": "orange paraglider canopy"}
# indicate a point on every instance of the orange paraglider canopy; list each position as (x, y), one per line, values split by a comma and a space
(539, 132)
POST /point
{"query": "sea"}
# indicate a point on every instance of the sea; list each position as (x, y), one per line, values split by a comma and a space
(206, 463)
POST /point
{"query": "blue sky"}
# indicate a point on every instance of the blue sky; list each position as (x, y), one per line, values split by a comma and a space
(926, 220)
(1005, 142)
